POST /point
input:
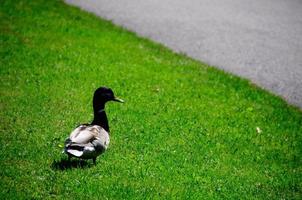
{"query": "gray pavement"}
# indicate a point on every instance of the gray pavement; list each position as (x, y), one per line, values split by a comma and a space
(257, 39)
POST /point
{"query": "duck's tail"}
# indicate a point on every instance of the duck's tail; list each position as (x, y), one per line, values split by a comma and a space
(73, 149)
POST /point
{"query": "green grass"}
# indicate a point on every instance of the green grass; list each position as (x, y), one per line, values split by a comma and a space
(186, 131)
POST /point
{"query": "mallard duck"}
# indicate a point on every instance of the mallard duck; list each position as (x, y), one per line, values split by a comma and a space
(88, 141)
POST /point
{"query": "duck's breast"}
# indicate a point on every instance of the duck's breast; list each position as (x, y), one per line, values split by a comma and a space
(102, 137)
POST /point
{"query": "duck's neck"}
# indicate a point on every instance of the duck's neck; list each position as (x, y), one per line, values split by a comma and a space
(100, 118)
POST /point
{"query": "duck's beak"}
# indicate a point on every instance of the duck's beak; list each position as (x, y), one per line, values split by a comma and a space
(118, 100)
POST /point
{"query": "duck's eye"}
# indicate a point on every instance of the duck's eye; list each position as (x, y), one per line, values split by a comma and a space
(108, 96)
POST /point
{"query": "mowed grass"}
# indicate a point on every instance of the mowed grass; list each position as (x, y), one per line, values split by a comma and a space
(186, 131)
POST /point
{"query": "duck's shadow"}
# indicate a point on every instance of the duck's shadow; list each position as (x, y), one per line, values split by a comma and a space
(65, 164)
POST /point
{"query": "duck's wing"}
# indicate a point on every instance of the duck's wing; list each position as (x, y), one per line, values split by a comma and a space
(84, 134)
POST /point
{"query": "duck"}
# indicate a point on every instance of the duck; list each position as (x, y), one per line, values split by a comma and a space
(88, 141)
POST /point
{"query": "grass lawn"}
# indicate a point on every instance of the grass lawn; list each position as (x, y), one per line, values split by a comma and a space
(186, 131)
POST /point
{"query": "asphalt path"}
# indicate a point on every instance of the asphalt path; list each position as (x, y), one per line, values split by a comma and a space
(257, 39)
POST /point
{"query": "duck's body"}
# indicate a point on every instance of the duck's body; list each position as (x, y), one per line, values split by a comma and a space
(88, 141)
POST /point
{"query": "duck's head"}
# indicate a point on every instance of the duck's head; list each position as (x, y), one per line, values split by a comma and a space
(103, 95)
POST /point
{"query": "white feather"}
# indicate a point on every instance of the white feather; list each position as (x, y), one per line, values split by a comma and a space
(75, 152)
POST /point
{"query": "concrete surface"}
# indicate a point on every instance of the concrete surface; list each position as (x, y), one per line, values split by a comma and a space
(257, 39)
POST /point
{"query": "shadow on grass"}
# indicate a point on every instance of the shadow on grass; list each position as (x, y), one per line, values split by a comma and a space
(64, 164)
